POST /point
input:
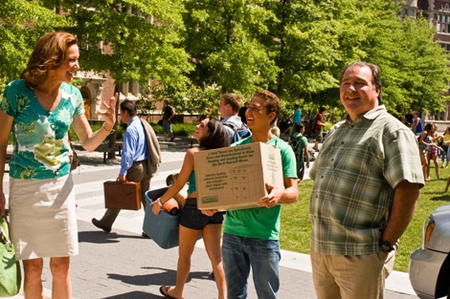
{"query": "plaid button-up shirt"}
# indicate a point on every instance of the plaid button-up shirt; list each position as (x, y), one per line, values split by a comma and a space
(355, 175)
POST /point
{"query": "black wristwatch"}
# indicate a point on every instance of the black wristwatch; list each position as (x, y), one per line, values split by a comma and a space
(386, 246)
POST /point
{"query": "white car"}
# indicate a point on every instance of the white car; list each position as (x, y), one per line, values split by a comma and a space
(429, 266)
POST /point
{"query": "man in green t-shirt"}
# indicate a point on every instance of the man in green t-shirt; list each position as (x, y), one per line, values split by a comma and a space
(299, 144)
(251, 235)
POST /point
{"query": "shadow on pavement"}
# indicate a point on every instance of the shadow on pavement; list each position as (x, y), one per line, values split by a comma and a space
(135, 295)
(158, 279)
(99, 237)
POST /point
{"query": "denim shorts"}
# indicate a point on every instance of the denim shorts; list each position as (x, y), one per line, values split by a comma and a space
(191, 217)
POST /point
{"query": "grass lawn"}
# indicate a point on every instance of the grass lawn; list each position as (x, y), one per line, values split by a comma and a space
(296, 227)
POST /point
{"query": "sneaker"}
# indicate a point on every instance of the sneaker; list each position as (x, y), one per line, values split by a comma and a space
(100, 225)
(171, 139)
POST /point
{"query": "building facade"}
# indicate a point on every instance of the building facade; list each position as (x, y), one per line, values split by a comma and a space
(437, 12)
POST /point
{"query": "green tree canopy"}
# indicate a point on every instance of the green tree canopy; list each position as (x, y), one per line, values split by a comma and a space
(22, 22)
(191, 51)
(132, 39)
(316, 39)
(221, 41)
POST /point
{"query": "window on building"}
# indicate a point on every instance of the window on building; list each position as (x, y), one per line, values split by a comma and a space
(442, 24)
(440, 115)
(445, 46)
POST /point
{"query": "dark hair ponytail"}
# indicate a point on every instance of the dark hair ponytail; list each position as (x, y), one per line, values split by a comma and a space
(218, 136)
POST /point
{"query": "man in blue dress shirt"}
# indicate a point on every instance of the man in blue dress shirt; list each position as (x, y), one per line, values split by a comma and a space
(133, 166)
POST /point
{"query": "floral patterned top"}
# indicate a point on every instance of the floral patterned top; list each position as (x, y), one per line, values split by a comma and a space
(40, 136)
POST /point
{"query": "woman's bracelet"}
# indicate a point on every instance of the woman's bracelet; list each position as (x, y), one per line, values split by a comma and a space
(109, 131)
(159, 202)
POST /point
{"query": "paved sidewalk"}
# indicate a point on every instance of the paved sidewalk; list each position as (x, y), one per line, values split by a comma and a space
(123, 265)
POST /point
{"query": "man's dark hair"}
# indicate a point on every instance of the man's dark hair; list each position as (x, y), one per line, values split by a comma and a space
(298, 128)
(376, 75)
(129, 107)
(271, 102)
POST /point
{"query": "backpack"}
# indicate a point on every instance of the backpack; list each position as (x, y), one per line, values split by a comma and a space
(294, 143)
(239, 132)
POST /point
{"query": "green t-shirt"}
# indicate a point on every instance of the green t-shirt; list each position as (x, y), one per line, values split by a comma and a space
(301, 141)
(40, 136)
(261, 222)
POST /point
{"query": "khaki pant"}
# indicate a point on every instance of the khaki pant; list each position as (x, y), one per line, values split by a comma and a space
(350, 277)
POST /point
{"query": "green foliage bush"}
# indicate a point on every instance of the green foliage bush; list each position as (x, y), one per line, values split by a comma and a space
(184, 129)
(179, 129)
(95, 127)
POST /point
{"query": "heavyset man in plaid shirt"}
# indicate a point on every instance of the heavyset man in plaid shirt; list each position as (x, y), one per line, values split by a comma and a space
(367, 178)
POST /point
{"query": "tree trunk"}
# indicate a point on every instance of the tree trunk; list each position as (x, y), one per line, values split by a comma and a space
(113, 137)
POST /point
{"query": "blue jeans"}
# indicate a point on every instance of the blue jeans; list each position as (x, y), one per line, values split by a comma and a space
(239, 253)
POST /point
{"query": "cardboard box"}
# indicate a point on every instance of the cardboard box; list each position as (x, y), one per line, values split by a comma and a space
(234, 177)
(162, 228)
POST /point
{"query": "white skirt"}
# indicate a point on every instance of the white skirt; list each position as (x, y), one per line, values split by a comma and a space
(43, 220)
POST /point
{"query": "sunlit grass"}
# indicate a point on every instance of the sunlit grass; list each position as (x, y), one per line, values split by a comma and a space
(296, 227)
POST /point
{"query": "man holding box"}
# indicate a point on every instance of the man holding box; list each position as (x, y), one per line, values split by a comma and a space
(251, 235)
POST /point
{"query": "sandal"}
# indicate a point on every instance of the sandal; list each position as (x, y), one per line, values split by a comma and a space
(164, 290)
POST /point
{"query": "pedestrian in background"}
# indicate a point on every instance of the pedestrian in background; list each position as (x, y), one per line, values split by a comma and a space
(275, 131)
(446, 147)
(423, 149)
(319, 125)
(426, 140)
(140, 158)
(229, 106)
(210, 134)
(297, 116)
(241, 113)
(250, 238)
(168, 115)
(367, 178)
(433, 151)
(299, 144)
(39, 110)
(409, 118)
(417, 125)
